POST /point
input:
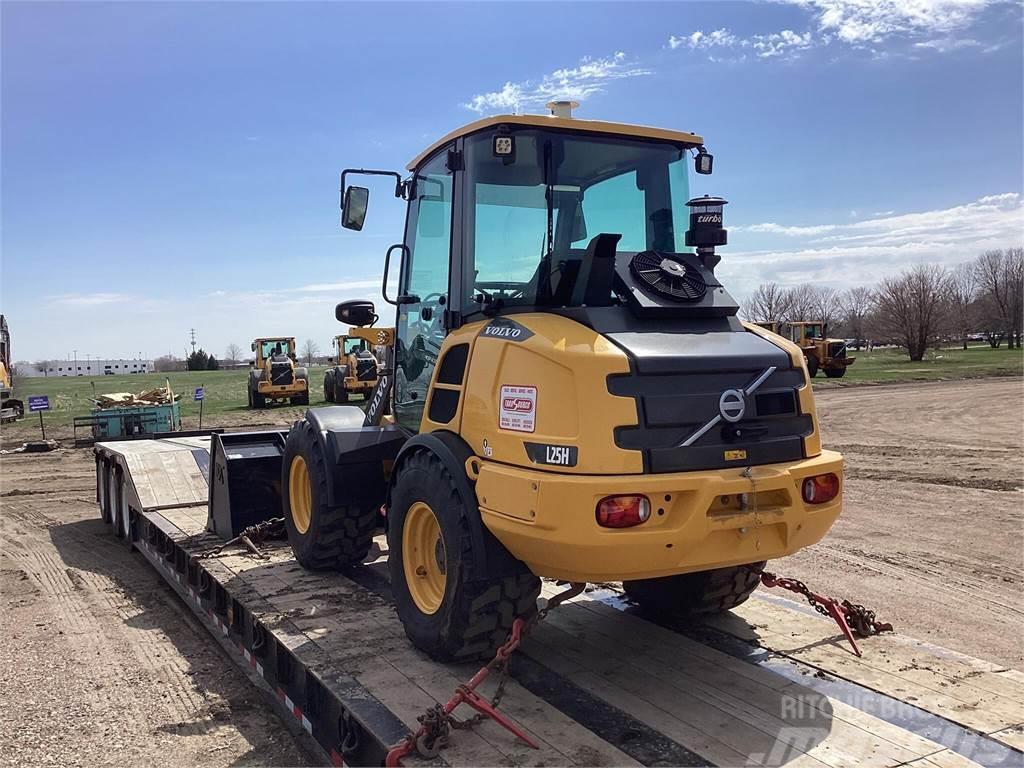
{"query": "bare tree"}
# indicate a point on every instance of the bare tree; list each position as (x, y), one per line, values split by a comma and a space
(168, 363)
(963, 290)
(910, 306)
(1001, 279)
(768, 304)
(802, 303)
(42, 366)
(855, 306)
(310, 350)
(825, 304)
(233, 354)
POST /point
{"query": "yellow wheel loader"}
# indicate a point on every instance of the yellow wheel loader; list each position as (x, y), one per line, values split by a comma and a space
(10, 408)
(821, 352)
(356, 372)
(569, 395)
(275, 374)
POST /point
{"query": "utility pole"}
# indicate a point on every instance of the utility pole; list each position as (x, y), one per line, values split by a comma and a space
(193, 331)
(76, 363)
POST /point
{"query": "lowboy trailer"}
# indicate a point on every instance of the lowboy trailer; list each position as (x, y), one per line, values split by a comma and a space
(595, 683)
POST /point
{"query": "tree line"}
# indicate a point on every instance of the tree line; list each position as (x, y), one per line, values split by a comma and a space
(923, 306)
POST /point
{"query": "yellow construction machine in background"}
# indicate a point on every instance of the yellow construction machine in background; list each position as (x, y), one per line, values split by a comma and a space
(275, 375)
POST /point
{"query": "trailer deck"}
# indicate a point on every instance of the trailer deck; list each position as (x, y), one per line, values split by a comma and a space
(596, 683)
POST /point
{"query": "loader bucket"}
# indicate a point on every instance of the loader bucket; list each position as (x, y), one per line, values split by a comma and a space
(245, 480)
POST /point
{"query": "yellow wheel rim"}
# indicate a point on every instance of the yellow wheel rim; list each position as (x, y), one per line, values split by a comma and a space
(299, 494)
(423, 557)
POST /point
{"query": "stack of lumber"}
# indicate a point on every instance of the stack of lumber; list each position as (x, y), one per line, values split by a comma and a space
(158, 396)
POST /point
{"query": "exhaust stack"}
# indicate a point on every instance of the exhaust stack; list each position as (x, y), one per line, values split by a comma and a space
(562, 108)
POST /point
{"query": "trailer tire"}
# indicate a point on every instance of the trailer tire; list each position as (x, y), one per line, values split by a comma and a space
(835, 373)
(103, 488)
(714, 591)
(117, 501)
(321, 536)
(444, 614)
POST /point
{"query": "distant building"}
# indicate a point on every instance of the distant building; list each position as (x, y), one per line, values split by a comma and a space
(88, 368)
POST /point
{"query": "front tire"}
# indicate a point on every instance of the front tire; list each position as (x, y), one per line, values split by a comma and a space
(812, 366)
(321, 536)
(705, 592)
(444, 614)
(329, 386)
(835, 373)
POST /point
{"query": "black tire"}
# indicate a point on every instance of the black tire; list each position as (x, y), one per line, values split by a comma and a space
(835, 373)
(103, 488)
(258, 400)
(812, 366)
(713, 591)
(248, 394)
(335, 537)
(329, 386)
(300, 399)
(474, 617)
(117, 502)
(343, 395)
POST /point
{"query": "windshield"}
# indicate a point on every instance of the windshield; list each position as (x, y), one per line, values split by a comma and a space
(354, 345)
(531, 215)
(271, 347)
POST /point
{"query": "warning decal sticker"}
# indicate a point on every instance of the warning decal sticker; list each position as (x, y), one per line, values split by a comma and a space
(518, 408)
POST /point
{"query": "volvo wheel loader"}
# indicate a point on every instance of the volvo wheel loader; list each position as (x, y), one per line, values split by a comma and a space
(570, 393)
(275, 375)
(356, 372)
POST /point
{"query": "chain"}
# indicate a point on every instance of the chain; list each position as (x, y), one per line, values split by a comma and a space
(252, 537)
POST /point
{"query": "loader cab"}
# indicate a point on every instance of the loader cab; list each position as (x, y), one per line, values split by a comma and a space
(502, 218)
(806, 333)
(268, 349)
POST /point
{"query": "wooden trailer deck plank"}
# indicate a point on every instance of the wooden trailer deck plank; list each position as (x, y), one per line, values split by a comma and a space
(720, 678)
(763, 721)
(909, 658)
(887, 666)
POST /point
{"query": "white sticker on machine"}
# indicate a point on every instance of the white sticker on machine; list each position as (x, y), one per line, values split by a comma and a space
(518, 408)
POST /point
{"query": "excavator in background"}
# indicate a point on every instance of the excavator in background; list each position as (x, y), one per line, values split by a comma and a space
(356, 372)
(275, 375)
(822, 353)
(10, 408)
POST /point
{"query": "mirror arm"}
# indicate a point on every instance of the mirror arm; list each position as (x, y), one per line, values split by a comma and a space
(399, 185)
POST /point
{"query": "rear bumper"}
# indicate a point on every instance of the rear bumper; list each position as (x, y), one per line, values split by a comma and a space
(356, 385)
(699, 520)
(297, 387)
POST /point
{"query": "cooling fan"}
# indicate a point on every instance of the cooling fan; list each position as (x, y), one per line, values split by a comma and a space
(665, 276)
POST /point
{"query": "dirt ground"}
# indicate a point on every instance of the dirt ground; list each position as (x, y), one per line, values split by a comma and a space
(100, 663)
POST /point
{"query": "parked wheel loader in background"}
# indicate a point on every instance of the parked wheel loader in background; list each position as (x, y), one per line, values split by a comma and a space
(275, 375)
(589, 410)
(356, 372)
(822, 353)
(10, 407)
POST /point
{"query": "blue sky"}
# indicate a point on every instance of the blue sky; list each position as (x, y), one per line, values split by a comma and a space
(169, 166)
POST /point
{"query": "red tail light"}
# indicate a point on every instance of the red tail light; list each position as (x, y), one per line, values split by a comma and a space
(623, 511)
(820, 488)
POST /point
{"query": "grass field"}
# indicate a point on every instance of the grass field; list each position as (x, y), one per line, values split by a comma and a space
(224, 391)
(892, 365)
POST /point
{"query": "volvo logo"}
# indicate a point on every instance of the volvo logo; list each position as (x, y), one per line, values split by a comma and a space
(732, 405)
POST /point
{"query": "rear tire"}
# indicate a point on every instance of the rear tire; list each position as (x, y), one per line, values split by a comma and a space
(835, 373)
(321, 536)
(444, 614)
(705, 592)
(258, 400)
(812, 366)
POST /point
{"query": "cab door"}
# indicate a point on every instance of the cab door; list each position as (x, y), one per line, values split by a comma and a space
(423, 289)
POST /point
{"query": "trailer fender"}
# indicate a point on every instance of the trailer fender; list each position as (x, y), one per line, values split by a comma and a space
(356, 453)
(490, 558)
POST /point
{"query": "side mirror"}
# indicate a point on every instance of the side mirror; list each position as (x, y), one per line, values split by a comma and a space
(253, 346)
(356, 312)
(353, 209)
(703, 162)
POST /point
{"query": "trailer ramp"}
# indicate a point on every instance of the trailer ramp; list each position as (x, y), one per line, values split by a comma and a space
(595, 684)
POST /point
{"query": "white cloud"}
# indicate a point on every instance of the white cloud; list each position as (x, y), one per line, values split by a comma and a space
(589, 77)
(846, 254)
(934, 25)
(872, 21)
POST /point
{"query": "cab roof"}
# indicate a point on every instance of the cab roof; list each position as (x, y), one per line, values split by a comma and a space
(564, 123)
(274, 338)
